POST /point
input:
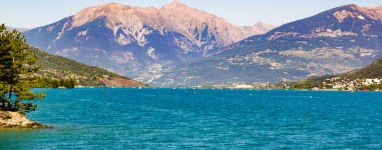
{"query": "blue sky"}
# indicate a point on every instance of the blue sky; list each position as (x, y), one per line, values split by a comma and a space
(34, 13)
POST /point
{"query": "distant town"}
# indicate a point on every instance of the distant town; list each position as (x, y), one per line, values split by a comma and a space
(351, 85)
(330, 84)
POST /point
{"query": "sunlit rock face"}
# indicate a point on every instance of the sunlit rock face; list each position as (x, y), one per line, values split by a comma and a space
(134, 40)
(10, 119)
(335, 41)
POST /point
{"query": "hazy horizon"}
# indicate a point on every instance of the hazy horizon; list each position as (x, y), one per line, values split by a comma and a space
(37, 13)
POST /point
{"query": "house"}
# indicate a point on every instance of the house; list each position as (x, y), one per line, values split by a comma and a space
(338, 86)
(368, 81)
(377, 81)
(243, 86)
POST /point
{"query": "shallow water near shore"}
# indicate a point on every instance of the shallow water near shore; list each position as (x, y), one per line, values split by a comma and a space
(117, 118)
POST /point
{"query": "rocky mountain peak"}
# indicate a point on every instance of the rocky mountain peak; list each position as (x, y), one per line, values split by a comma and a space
(258, 28)
(373, 13)
(175, 16)
(183, 10)
(113, 5)
(89, 14)
(105, 8)
(175, 4)
(261, 26)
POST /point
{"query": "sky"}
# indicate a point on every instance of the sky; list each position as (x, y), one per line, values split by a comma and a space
(35, 13)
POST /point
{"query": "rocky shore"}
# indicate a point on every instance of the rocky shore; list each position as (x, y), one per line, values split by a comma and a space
(17, 120)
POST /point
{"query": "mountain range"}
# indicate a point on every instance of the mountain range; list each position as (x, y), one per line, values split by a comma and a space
(181, 46)
(136, 41)
(335, 41)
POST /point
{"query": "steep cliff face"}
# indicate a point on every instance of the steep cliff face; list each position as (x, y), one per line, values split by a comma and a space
(335, 41)
(134, 40)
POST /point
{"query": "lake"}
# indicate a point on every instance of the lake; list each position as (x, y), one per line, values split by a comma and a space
(118, 118)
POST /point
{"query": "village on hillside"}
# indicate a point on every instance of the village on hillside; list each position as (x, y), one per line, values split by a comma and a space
(338, 83)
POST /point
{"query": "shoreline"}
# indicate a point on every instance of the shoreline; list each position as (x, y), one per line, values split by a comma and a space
(16, 120)
(332, 90)
(226, 89)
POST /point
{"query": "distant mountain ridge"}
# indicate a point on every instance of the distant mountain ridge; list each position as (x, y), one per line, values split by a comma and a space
(258, 28)
(135, 41)
(335, 41)
(18, 29)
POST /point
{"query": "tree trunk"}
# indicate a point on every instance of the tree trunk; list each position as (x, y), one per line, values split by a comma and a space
(3, 100)
(10, 97)
(2, 103)
(11, 88)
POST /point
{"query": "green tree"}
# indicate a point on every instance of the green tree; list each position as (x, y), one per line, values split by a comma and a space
(16, 72)
(62, 83)
(72, 83)
(56, 84)
(66, 83)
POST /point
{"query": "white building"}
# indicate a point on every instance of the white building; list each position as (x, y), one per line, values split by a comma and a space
(338, 86)
(377, 81)
(243, 86)
(369, 81)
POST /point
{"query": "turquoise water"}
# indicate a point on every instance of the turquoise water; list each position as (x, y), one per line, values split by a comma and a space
(202, 119)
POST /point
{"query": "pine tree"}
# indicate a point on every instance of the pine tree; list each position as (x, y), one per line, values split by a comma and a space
(56, 84)
(62, 83)
(16, 72)
(66, 83)
(72, 83)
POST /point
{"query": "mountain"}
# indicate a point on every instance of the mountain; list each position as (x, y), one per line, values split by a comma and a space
(258, 28)
(58, 67)
(137, 41)
(18, 29)
(335, 41)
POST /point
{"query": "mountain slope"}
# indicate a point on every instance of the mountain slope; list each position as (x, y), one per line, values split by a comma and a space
(371, 71)
(335, 41)
(57, 67)
(133, 40)
(353, 80)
